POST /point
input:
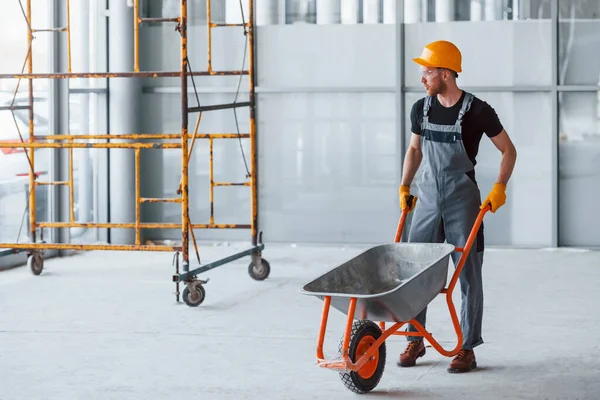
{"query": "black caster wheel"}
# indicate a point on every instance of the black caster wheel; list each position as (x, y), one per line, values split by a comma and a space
(364, 334)
(195, 296)
(259, 272)
(36, 263)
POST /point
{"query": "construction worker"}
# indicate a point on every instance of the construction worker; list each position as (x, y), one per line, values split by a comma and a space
(447, 126)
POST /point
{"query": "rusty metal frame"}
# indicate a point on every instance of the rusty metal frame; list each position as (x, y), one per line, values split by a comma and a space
(167, 141)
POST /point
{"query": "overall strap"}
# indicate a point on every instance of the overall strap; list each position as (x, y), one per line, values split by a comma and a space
(426, 107)
(466, 105)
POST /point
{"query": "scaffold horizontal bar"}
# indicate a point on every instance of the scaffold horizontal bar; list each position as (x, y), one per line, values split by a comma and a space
(221, 135)
(218, 263)
(146, 136)
(71, 246)
(141, 74)
(151, 20)
(159, 200)
(219, 107)
(231, 183)
(146, 225)
(131, 136)
(72, 145)
(61, 29)
(57, 183)
(216, 25)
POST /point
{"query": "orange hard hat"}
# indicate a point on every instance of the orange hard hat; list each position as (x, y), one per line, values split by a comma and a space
(440, 54)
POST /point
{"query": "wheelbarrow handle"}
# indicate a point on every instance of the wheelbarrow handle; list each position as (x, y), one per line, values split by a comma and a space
(474, 230)
(403, 216)
(467, 247)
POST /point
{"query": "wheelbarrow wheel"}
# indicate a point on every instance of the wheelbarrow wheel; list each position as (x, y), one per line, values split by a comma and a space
(364, 334)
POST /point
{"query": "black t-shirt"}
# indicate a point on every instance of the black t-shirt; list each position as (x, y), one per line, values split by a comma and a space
(481, 118)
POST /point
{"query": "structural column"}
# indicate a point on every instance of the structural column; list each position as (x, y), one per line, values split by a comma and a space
(328, 12)
(370, 11)
(349, 10)
(267, 12)
(476, 10)
(123, 116)
(444, 10)
(491, 10)
(58, 123)
(389, 11)
(413, 11)
(80, 25)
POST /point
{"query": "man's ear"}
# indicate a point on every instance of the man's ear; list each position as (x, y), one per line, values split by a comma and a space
(445, 74)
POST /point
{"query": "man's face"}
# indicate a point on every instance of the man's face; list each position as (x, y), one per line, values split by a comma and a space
(431, 78)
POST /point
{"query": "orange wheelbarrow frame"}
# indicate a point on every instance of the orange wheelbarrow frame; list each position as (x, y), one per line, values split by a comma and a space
(360, 365)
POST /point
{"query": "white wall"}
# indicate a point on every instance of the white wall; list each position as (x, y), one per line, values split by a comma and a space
(579, 132)
(495, 53)
(328, 157)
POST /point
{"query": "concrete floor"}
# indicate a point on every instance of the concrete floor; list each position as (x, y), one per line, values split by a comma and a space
(105, 326)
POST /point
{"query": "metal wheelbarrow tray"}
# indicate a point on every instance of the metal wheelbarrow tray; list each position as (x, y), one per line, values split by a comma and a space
(391, 282)
(387, 283)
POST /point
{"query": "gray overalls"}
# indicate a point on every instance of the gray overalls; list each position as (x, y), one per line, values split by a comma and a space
(447, 208)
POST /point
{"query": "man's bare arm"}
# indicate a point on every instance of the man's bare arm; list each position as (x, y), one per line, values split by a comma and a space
(509, 156)
(412, 160)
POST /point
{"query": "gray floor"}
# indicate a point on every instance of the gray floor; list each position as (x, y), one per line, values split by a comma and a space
(105, 326)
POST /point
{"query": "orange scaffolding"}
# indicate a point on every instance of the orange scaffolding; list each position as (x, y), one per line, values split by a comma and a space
(194, 293)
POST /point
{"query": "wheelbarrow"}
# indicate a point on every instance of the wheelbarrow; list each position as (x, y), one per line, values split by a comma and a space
(386, 283)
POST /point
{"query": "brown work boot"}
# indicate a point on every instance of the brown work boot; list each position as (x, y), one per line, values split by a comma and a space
(463, 362)
(414, 350)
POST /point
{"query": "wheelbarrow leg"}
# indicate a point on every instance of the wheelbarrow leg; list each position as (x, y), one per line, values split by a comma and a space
(349, 323)
(323, 328)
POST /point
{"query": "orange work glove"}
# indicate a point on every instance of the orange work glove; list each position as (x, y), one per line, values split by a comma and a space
(406, 200)
(496, 198)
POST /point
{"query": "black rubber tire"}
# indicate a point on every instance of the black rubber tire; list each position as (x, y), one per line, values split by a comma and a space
(352, 380)
(261, 274)
(36, 263)
(191, 301)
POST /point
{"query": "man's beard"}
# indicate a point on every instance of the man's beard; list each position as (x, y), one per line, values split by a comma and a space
(434, 91)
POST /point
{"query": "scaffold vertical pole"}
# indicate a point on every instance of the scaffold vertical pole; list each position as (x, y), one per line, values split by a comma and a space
(184, 138)
(32, 209)
(253, 144)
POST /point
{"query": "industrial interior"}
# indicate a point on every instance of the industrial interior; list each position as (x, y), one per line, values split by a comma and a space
(209, 199)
